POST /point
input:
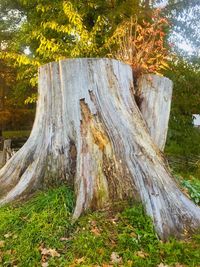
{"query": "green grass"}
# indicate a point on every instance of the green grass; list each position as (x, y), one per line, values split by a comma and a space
(16, 134)
(42, 220)
(41, 230)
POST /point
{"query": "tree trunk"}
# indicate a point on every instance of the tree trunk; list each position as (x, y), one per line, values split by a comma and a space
(89, 131)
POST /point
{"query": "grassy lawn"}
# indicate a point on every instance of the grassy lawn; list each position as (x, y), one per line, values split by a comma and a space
(40, 232)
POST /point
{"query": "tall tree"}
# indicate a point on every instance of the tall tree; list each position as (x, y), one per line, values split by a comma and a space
(62, 29)
(184, 16)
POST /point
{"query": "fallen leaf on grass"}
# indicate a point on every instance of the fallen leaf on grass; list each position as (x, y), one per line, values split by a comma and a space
(49, 252)
(65, 238)
(142, 254)
(2, 243)
(162, 265)
(44, 251)
(80, 260)
(133, 234)
(77, 262)
(53, 253)
(101, 251)
(8, 235)
(115, 258)
(9, 252)
(95, 231)
(93, 223)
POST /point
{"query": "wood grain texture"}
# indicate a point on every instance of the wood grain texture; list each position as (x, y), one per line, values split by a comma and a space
(155, 94)
(89, 132)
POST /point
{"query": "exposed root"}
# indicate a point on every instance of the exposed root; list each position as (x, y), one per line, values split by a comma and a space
(28, 182)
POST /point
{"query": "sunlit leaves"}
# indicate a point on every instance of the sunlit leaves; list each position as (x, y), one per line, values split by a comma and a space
(73, 16)
(31, 99)
(20, 59)
(56, 30)
(142, 45)
(43, 8)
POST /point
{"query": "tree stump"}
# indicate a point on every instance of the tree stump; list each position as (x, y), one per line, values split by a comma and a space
(155, 94)
(89, 132)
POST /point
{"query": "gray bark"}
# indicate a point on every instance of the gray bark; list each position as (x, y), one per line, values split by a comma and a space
(155, 95)
(89, 131)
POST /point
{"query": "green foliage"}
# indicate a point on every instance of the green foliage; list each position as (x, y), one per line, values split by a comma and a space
(191, 186)
(31, 99)
(183, 143)
(55, 30)
(41, 231)
(193, 189)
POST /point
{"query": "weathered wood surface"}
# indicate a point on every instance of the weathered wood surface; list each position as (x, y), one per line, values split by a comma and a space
(7, 151)
(155, 94)
(89, 131)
